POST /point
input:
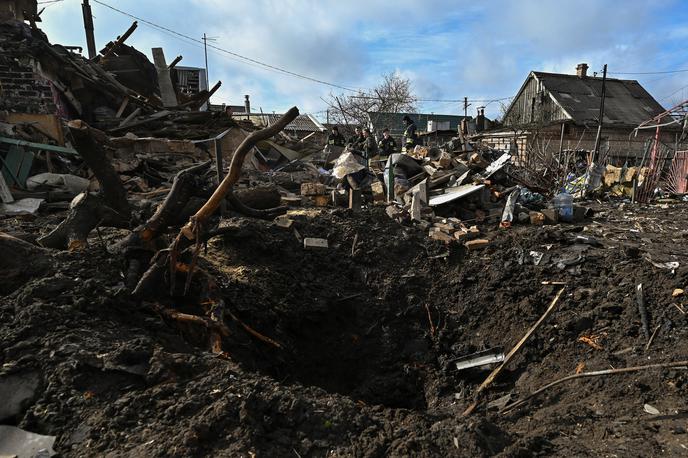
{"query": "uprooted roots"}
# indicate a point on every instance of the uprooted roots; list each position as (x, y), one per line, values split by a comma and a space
(182, 255)
(206, 298)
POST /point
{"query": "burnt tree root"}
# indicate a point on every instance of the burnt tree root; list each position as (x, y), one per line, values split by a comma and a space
(109, 207)
(168, 263)
(87, 212)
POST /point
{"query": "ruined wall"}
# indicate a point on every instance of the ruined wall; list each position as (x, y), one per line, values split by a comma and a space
(22, 90)
(622, 145)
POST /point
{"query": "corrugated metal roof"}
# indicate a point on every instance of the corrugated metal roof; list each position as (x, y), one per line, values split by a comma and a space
(626, 103)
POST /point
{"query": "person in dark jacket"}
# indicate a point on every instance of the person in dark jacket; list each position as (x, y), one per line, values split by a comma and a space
(335, 138)
(387, 144)
(358, 140)
(369, 146)
(410, 136)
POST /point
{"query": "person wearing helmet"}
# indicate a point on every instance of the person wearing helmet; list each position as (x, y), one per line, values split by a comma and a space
(410, 136)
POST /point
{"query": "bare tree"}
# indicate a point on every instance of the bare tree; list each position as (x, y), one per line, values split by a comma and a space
(393, 95)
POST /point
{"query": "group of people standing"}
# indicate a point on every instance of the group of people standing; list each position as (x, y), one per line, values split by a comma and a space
(365, 144)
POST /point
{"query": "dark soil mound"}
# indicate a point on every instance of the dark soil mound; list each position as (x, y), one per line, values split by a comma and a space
(368, 329)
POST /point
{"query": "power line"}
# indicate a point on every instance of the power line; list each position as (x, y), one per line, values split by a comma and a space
(369, 97)
(256, 63)
(675, 92)
(245, 59)
(648, 73)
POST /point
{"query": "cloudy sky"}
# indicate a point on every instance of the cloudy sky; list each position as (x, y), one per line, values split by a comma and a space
(449, 49)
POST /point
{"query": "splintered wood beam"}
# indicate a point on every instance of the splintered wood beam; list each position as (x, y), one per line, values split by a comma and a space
(493, 375)
(183, 187)
(232, 177)
(122, 107)
(90, 149)
(120, 40)
(167, 92)
(201, 98)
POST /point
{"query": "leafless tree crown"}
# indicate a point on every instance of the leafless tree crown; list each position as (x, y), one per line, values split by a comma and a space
(393, 95)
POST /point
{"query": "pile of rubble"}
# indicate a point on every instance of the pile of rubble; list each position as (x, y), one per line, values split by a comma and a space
(451, 192)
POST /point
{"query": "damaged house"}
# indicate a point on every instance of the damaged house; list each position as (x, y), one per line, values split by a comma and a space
(561, 111)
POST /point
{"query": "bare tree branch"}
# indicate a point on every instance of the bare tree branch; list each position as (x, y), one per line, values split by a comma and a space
(394, 94)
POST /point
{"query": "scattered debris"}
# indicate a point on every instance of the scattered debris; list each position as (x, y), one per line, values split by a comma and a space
(16, 390)
(481, 358)
(488, 381)
(650, 409)
(594, 374)
(310, 242)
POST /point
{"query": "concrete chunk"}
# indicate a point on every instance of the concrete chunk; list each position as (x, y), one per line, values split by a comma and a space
(476, 244)
(20, 443)
(313, 189)
(441, 236)
(284, 221)
(416, 206)
(314, 243)
(16, 390)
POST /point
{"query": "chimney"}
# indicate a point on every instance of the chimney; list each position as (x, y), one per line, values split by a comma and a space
(582, 70)
(480, 120)
(247, 104)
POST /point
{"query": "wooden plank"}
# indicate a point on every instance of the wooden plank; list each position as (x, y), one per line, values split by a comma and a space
(355, 200)
(153, 117)
(39, 146)
(128, 119)
(167, 92)
(493, 375)
(5, 193)
(47, 124)
(122, 107)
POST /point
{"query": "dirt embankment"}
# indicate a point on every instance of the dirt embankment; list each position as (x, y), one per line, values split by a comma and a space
(367, 331)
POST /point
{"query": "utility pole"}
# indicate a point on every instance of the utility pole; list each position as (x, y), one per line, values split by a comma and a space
(205, 48)
(206, 39)
(594, 169)
(598, 138)
(88, 26)
(465, 107)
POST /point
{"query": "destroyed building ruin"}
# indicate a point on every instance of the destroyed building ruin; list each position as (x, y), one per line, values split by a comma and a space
(179, 282)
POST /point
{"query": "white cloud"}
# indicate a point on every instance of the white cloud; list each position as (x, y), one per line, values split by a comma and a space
(450, 49)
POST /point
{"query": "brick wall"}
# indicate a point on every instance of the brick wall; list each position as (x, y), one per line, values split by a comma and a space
(22, 90)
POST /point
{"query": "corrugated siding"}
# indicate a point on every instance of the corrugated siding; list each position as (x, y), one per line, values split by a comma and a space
(533, 105)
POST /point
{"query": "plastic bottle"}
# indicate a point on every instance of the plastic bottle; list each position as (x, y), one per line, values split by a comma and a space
(563, 203)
